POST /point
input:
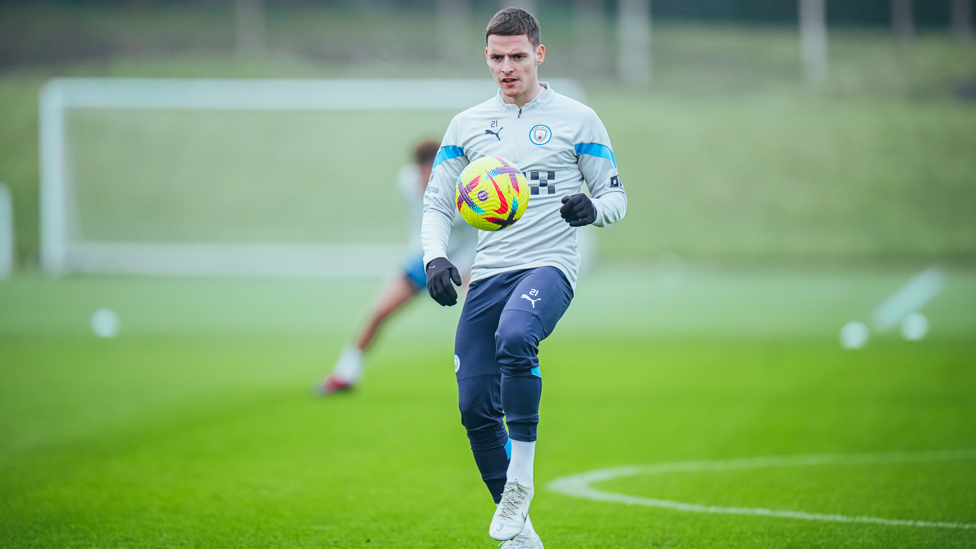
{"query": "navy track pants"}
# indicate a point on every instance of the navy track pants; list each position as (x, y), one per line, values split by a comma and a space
(496, 349)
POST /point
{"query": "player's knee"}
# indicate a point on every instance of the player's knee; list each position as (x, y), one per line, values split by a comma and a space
(481, 426)
(514, 347)
(477, 411)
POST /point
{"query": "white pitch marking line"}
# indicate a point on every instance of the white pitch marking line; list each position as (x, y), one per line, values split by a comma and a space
(911, 297)
(579, 485)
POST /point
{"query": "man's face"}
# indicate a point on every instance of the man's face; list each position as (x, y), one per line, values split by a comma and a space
(514, 64)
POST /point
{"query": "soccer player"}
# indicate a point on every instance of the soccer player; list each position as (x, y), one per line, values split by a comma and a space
(524, 276)
(407, 284)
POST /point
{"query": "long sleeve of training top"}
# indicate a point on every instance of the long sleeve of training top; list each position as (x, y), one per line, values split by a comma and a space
(439, 210)
(559, 144)
(598, 166)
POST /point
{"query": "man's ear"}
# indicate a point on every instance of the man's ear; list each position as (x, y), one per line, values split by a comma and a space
(540, 54)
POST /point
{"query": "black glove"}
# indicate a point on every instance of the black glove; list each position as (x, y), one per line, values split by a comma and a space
(578, 210)
(440, 274)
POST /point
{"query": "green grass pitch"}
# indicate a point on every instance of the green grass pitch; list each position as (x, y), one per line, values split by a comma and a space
(195, 428)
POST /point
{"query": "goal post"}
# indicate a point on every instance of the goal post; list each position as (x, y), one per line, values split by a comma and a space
(6, 232)
(130, 236)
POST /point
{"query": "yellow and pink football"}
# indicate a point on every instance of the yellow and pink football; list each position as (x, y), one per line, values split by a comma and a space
(491, 193)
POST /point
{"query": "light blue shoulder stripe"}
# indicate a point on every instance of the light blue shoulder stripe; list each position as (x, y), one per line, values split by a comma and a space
(449, 152)
(595, 149)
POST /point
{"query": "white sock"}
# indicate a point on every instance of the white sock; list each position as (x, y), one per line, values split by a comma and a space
(349, 367)
(528, 530)
(520, 466)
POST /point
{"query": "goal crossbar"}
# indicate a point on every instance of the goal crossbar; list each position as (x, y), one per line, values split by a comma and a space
(61, 253)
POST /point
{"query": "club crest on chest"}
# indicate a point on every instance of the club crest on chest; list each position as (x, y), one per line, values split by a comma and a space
(540, 134)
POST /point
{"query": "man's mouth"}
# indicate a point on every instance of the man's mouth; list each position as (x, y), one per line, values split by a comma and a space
(509, 80)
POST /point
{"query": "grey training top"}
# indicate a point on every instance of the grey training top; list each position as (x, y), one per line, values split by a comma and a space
(558, 143)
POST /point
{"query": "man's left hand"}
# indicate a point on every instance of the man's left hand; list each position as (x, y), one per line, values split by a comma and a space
(578, 210)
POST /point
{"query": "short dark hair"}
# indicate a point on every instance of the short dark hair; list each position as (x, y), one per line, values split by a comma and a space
(426, 151)
(515, 22)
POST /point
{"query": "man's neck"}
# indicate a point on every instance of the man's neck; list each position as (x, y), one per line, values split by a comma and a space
(529, 95)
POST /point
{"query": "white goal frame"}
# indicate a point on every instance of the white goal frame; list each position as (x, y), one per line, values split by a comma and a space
(62, 252)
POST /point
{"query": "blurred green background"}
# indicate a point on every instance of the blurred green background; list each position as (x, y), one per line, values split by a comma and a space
(728, 152)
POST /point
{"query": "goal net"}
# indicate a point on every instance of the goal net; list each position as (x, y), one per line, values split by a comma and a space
(202, 177)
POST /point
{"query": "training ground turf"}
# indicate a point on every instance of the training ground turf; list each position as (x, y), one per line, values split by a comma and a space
(195, 428)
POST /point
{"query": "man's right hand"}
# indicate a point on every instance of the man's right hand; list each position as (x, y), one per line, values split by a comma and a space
(440, 275)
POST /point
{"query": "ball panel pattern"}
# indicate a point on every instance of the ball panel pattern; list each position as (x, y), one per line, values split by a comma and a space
(491, 193)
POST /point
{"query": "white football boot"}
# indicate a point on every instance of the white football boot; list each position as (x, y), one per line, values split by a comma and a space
(528, 539)
(509, 518)
(523, 542)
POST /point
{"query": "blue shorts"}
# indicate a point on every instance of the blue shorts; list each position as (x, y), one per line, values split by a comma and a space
(504, 319)
(415, 270)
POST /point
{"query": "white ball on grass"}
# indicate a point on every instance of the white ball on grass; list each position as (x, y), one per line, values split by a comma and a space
(854, 335)
(105, 323)
(914, 326)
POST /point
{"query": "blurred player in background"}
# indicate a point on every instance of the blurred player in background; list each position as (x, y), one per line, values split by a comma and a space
(406, 284)
(524, 276)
